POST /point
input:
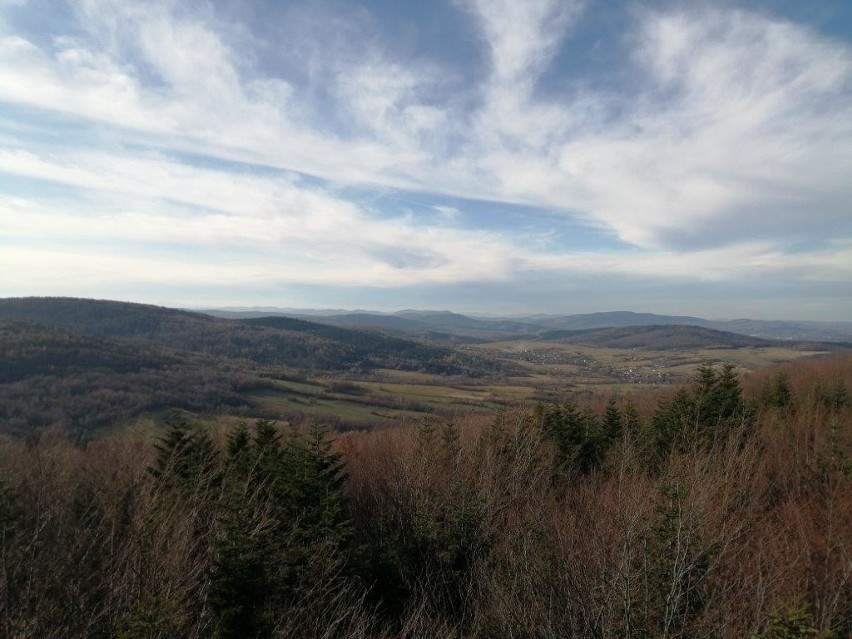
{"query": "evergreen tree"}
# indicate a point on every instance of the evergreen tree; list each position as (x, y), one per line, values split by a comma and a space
(777, 392)
(451, 446)
(267, 450)
(282, 534)
(727, 396)
(316, 484)
(239, 442)
(314, 527)
(837, 397)
(632, 422)
(612, 422)
(239, 459)
(591, 443)
(793, 622)
(241, 584)
(705, 382)
(578, 437)
(425, 438)
(672, 427)
(186, 456)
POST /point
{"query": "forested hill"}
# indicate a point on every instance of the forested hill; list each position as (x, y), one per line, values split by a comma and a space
(277, 341)
(50, 377)
(83, 365)
(656, 337)
(445, 324)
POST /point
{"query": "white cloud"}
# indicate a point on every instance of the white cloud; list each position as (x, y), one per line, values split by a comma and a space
(204, 226)
(734, 140)
(522, 37)
(309, 235)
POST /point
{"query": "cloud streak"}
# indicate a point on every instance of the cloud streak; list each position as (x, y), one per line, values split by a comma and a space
(729, 143)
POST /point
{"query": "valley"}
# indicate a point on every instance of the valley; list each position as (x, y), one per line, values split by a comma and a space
(90, 366)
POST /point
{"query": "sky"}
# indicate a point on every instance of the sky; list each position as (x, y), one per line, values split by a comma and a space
(484, 156)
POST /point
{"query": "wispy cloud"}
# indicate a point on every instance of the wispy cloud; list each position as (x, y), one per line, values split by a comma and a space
(729, 144)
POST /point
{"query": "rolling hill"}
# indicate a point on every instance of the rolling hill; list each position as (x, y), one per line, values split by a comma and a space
(655, 337)
(82, 365)
(616, 319)
(440, 324)
(50, 377)
(267, 341)
(86, 364)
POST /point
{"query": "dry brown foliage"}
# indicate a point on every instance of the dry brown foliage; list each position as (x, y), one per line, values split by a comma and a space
(488, 539)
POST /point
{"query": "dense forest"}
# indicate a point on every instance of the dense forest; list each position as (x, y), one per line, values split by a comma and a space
(718, 509)
(267, 342)
(86, 365)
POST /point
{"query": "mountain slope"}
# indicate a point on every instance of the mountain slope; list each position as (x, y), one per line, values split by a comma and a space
(614, 319)
(442, 324)
(447, 321)
(85, 364)
(52, 377)
(269, 341)
(381, 322)
(656, 338)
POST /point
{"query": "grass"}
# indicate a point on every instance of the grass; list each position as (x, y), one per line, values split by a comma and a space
(551, 370)
(589, 365)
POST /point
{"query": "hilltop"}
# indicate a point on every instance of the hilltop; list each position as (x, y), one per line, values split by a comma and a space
(87, 364)
(438, 324)
(277, 341)
(84, 365)
(656, 337)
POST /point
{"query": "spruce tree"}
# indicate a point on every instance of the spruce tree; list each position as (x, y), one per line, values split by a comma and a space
(239, 459)
(241, 583)
(672, 427)
(314, 527)
(577, 435)
(777, 392)
(727, 396)
(837, 397)
(632, 422)
(186, 457)
(612, 422)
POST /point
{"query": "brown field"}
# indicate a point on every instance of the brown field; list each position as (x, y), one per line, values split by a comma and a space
(550, 371)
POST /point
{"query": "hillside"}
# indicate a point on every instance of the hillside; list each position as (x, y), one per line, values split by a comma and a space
(87, 364)
(447, 320)
(82, 365)
(277, 341)
(770, 330)
(616, 319)
(370, 320)
(52, 377)
(441, 324)
(655, 337)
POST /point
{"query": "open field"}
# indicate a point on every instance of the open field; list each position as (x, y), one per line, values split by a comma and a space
(88, 366)
(550, 371)
(378, 402)
(584, 366)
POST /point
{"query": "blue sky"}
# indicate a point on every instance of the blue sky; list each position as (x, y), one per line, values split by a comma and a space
(478, 155)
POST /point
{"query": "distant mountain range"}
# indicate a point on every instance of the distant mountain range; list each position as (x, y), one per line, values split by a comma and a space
(537, 326)
(270, 340)
(674, 337)
(85, 364)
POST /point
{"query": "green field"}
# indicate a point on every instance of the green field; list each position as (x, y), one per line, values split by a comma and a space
(544, 372)
(376, 402)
